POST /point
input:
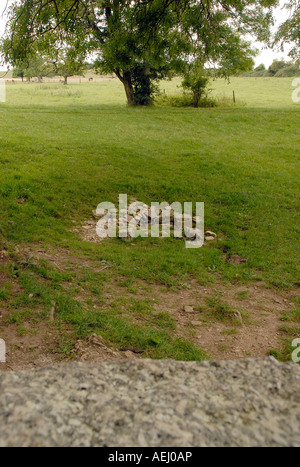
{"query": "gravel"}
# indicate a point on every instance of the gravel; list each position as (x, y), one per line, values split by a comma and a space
(141, 403)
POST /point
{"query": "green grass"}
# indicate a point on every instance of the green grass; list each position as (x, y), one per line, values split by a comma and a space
(249, 92)
(219, 309)
(66, 149)
(289, 332)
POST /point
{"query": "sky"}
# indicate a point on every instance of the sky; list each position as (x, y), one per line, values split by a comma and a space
(265, 56)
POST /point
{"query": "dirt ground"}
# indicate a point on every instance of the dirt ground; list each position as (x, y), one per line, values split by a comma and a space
(255, 330)
(251, 336)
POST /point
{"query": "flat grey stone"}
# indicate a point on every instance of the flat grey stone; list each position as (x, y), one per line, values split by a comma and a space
(153, 403)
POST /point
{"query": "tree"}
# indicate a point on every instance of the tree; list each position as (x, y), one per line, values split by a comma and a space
(289, 71)
(142, 41)
(276, 66)
(289, 31)
(260, 68)
(66, 65)
(18, 72)
(57, 53)
(34, 65)
(66, 52)
(195, 81)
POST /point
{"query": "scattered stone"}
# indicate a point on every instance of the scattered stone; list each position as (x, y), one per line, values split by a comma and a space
(188, 309)
(238, 316)
(146, 215)
(208, 233)
(3, 254)
(98, 215)
(93, 348)
(88, 232)
(52, 311)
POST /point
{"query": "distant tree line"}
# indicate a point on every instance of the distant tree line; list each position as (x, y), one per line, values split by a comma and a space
(278, 69)
(61, 55)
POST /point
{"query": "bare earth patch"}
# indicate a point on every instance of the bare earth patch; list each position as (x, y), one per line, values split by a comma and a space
(87, 232)
(94, 349)
(37, 350)
(32, 350)
(30, 346)
(257, 330)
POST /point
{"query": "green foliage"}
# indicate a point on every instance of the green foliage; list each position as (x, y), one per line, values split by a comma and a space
(34, 65)
(195, 82)
(144, 84)
(276, 66)
(54, 54)
(18, 72)
(260, 68)
(186, 100)
(289, 31)
(257, 72)
(278, 69)
(289, 71)
(67, 53)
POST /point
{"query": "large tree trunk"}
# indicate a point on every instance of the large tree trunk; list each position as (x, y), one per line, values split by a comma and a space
(127, 83)
(65, 80)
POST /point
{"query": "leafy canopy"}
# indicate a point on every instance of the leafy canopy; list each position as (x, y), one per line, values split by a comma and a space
(289, 31)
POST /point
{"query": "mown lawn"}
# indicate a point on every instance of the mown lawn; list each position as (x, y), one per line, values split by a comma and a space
(65, 149)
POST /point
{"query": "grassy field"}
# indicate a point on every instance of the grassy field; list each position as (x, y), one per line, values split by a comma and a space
(65, 149)
(249, 92)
